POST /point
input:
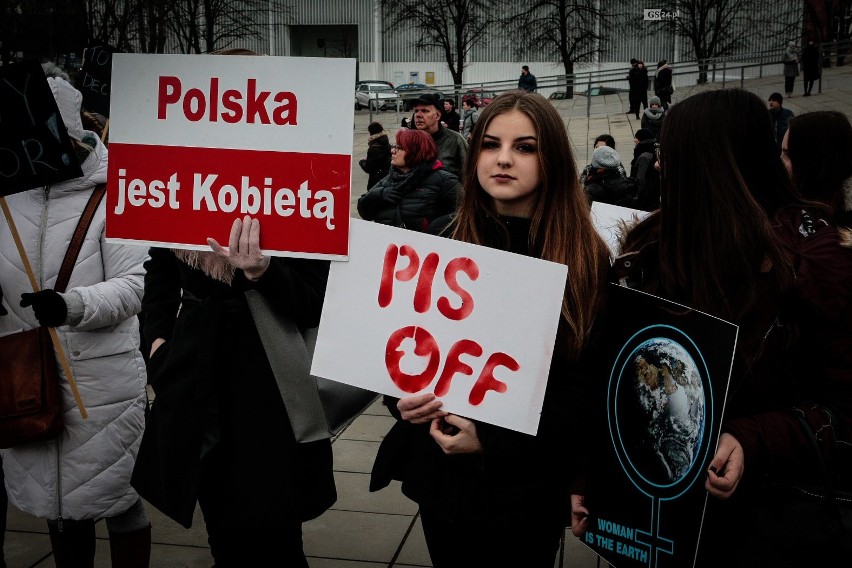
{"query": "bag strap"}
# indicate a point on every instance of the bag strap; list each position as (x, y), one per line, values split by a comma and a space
(77, 239)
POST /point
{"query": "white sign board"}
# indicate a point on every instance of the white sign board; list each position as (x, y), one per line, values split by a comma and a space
(197, 141)
(411, 313)
(611, 220)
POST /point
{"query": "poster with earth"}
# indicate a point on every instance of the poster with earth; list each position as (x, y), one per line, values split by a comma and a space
(657, 416)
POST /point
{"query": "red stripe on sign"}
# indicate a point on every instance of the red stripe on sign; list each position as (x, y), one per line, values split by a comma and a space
(183, 195)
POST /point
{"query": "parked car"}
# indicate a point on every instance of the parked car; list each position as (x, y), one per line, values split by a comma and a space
(480, 97)
(410, 91)
(376, 96)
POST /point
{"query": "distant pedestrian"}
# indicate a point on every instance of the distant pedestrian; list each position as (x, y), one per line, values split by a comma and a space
(638, 80)
(452, 147)
(810, 65)
(449, 117)
(527, 80)
(604, 140)
(663, 84)
(780, 117)
(377, 163)
(469, 117)
(791, 67)
(652, 118)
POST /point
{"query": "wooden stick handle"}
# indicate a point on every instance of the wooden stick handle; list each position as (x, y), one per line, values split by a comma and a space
(57, 346)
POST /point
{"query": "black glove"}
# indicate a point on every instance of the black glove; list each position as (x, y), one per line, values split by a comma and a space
(3, 311)
(391, 194)
(49, 307)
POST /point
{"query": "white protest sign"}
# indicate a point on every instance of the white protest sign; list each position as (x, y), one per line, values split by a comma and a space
(199, 140)
(411, 313)
(610, 221)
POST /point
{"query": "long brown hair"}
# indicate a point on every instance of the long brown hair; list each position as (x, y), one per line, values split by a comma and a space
(561, 229)
(722, 184)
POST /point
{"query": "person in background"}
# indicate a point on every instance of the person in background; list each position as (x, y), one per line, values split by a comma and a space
(644, 142)
(452, 147)
(637, 79)
(418, 188)
(811, 67)
(791, 67)
(449, 117)
(469, 117)
(652, 118)
(776, 268)
(604, 140)
(490, 496)
(605, 164)
(822, 171)
(780, 117)
(377, 162)
(663, 83)
(84, 474)
(527, 81)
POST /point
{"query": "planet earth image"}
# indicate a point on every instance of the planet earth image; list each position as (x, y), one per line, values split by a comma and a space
(661, 410)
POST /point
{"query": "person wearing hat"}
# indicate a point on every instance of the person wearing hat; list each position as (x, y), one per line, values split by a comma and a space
(377, 163)
(644, 169)
(84, 474)
(652, 118)
(452, 147)
(780, 117)
(613, 159)
(637, 78)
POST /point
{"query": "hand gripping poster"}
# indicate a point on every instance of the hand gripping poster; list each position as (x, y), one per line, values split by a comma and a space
(658, 410)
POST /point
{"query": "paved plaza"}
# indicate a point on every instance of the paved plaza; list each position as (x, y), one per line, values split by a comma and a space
(382, 529)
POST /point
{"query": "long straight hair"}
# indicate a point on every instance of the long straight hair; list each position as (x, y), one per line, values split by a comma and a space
(561, 229)
(722, 185)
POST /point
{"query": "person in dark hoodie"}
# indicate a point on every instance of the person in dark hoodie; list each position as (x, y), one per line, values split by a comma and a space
(418, 188)
(377, 163)
(652, 118)
(663, 85)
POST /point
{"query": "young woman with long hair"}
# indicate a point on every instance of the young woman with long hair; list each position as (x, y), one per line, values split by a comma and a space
(490, 496)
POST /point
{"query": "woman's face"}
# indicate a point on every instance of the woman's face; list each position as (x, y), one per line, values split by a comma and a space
(508, 164)
(398, 157)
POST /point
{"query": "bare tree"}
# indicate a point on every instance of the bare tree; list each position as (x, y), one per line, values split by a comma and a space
(575, 31)
(206, 25)
(715, 28)
(454, 27)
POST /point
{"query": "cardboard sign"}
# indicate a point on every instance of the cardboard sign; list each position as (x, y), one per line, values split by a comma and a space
(95, 79)
(609, 221)
(199, 140)
(656, 425)
(412, 313)
(35, 149)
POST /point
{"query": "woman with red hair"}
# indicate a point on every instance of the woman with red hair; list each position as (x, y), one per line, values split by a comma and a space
(417, 190)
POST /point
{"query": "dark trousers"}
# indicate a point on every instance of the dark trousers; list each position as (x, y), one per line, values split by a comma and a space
(636, 99)
(788, 84)
(809, 85)
(467, 542)
(232, 543)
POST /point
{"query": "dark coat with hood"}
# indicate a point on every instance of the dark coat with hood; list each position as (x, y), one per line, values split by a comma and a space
(652, 119)
(377, 163)
(411, 199)
(216, 394)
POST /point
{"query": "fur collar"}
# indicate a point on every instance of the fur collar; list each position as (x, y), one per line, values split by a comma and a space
(208, 262)
(377, 136)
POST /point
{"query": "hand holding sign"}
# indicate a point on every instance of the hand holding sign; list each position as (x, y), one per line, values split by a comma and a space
(420, 409)
(243, 250)
(456, 435)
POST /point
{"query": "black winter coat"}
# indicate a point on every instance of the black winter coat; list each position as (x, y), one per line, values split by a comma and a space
(378, 160)
(411, 199)
(515, 479)
(215, 390)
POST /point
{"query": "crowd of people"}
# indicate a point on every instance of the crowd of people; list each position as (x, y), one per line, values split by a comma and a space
(750, 221)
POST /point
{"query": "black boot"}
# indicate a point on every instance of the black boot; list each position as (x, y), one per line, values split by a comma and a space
(74, 545)
(130, 550)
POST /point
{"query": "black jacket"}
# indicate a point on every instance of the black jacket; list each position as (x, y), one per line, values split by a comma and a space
(215, 392)
(378, 160)
(411, 199)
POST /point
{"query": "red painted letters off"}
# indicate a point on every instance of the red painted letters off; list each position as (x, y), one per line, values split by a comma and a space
(425, 344)
(237, 106)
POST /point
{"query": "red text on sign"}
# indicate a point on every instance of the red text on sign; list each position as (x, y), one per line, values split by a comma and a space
(236, 106)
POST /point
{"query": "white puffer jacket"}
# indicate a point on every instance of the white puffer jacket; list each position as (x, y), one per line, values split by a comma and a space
(85, 473)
